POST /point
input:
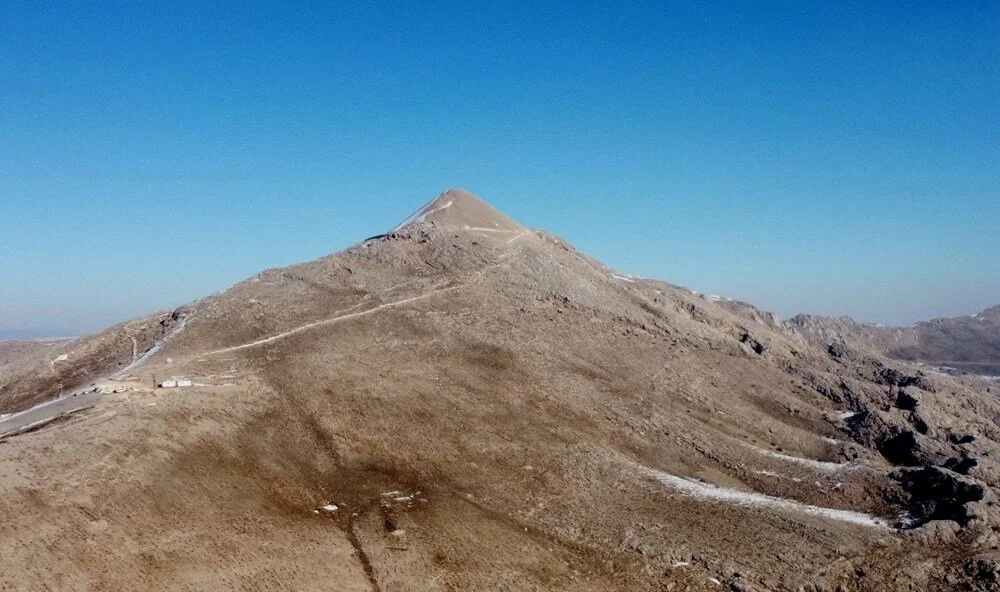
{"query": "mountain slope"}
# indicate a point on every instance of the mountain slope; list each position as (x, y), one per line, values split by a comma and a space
(966, 343)
(34, 371)
(457, 208)
(495, 410)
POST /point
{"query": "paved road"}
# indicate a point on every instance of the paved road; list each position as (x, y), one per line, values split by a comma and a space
(47, 412)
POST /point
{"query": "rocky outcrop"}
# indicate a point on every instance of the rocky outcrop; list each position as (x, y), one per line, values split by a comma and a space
(969, 344)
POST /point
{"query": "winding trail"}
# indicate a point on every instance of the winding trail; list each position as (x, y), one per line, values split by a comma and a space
(54, 409)
(332, 320)
(517, 237)
(343, 317)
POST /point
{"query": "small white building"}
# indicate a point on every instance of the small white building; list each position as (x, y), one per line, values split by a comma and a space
(177, 383)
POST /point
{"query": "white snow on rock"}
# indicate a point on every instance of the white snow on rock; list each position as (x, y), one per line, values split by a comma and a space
(623, 278)
(774, 475)
(61, 358)
(818, 465)
(481, 229)
(421, 214)
(751, 499)
(156, 347)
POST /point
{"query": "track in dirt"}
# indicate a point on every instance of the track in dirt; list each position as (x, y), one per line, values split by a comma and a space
(341, 317)
(366, 562)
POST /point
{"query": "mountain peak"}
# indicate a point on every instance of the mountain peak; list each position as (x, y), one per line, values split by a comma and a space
(457, 208)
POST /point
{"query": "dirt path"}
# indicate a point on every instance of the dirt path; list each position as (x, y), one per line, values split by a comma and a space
(343, 317)
(330, 321)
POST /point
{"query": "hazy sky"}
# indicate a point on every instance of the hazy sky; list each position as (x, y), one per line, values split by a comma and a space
(827, 157)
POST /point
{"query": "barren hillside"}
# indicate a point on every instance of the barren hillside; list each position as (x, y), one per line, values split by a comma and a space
(466, 404)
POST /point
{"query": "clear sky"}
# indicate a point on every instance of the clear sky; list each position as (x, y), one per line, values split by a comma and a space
(825, 157)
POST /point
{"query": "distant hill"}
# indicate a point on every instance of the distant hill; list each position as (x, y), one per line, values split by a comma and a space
(31, 334)
(969, 344)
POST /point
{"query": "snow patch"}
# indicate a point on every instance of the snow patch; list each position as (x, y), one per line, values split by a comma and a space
(818, 465)
(623, 278)
(481, 229)
(778, 476)
(750, 499)
(398, 497)
(156, 347)
(421, 215)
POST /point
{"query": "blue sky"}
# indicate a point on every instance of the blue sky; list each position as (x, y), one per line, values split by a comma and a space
(827, 157)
